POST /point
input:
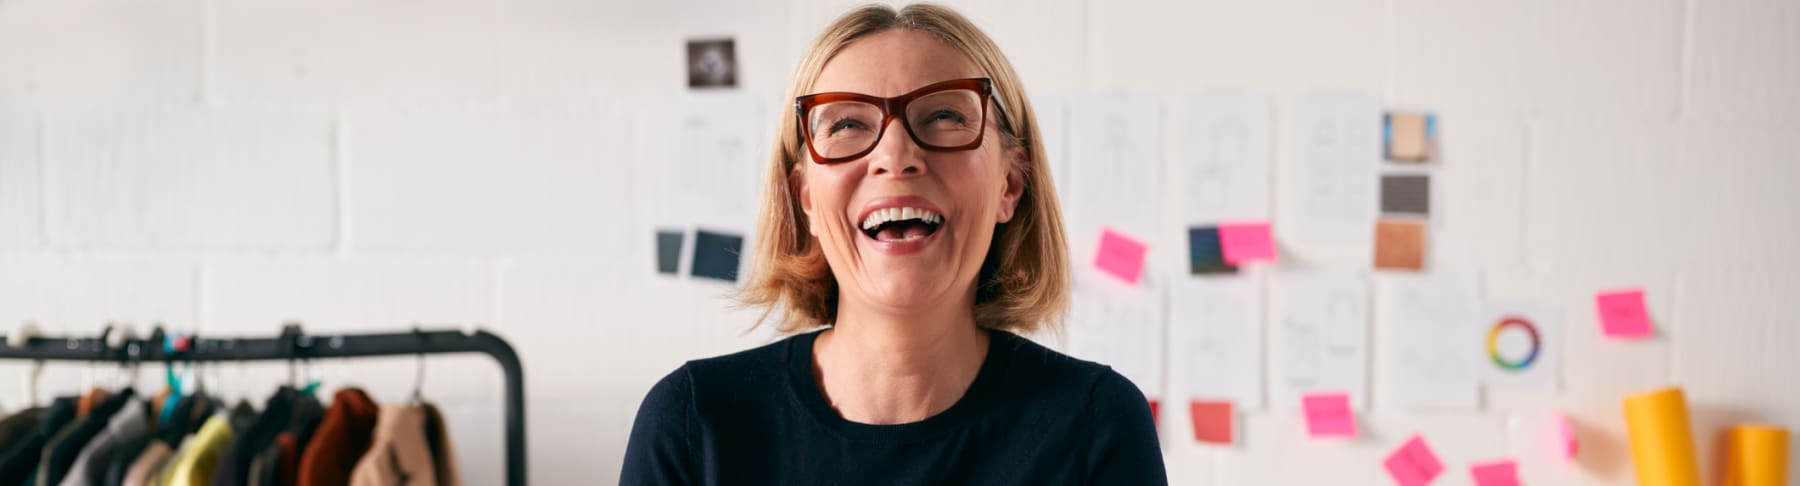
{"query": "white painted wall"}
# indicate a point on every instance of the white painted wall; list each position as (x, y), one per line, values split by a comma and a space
(224, 165)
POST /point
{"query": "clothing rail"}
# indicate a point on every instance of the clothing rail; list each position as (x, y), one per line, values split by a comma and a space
(293, 345)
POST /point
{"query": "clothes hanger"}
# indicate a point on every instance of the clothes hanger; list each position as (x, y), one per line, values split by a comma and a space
(18, 338)
(418, 392)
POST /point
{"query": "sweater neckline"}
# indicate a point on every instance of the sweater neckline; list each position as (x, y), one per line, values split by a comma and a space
(805, 390)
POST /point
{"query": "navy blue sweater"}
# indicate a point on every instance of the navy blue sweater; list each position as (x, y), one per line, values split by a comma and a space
(1032, 416)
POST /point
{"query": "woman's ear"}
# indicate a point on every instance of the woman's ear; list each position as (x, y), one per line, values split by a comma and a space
(1015, 183)
(797, 185)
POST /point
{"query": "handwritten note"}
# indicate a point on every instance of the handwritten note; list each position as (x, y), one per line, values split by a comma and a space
(1212, 421)
(1318, 336)
(1245, 242)
(1426, 354)
(1622, 314)
(1329, 415)
(1413, 464)
(1497, 473)
(1216, 338)
(1121, 256)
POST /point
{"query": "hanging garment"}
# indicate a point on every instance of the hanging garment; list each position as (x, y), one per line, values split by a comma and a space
(342, 438)
(128, 424)
(149, 464)
(264, 467)
(199, 457)
(402, 450)
(20, 461)
(92, 399)
(125, 453)
(256, 435)
(60, 453)
(279, 461)
(19, 425)
(438, 435)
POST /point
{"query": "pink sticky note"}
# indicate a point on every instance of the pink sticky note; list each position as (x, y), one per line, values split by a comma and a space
(1329, 415)
(1242, 243)
(1413, 464)
(1497, 473)
(1622, 314)
(1565, 437)
(1121, 256)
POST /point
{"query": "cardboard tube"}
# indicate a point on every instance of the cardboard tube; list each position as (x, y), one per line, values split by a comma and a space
(1756, 455)
(1662, 442)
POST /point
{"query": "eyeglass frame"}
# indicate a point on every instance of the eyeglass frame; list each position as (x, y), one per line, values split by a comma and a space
(895, 107)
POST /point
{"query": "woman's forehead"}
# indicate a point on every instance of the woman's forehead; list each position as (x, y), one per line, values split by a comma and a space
(892, 63)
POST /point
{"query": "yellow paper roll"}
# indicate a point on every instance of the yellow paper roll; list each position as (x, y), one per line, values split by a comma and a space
(1756, 455)
(1662, 442)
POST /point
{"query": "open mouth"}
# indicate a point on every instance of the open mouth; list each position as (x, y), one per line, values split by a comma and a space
(901, 224)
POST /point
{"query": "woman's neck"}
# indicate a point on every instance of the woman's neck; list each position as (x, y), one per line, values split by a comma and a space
(890, 369)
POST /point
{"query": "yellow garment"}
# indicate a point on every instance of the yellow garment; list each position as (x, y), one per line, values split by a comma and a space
(199, 455)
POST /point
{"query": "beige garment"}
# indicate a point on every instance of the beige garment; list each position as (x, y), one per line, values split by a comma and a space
(148, 463)
(402, 451)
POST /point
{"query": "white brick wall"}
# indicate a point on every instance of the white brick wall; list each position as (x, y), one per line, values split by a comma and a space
(227, 165)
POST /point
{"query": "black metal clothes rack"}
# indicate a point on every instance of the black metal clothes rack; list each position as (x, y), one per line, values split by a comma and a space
(293, 345)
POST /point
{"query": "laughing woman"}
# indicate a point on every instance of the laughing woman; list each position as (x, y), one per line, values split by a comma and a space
(909, 211)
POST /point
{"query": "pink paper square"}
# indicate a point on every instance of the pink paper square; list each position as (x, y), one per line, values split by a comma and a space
(1622, 314)
(1242, 243)
(1329, 415)
(1413, 464)
(1497, 473)
(1121, 256)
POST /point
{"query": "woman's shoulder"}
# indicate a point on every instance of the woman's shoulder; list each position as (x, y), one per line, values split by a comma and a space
(727, 374)
(1045, 370)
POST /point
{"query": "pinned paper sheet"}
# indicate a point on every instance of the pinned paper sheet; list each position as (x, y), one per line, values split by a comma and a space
(1425, 353)
(1120, 326)
(1410, 137)
(1622, 314)
(1497, 473)
(1566, 445)
(1215, 341)
(1246, 242)
(1225, 157)
(1114, 166)
(1329, 415)
(1413, 464)
(1121, 256)
(1212, 421)
(1328, 189)
(1318, 336)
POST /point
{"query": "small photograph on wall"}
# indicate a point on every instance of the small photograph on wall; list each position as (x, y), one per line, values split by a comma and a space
(711, 63)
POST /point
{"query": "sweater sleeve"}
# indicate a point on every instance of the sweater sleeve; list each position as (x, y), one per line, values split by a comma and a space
(659, 452)
(1125, 447)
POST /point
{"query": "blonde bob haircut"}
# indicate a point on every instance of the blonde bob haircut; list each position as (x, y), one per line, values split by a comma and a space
(1023, 284)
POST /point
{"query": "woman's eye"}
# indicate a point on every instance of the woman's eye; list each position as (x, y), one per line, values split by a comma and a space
(846, 124)
(949, 116)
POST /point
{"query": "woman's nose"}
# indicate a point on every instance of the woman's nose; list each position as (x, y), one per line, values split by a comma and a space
(896, 154)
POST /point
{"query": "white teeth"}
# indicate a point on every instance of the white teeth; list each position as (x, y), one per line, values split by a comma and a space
(885, 215)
